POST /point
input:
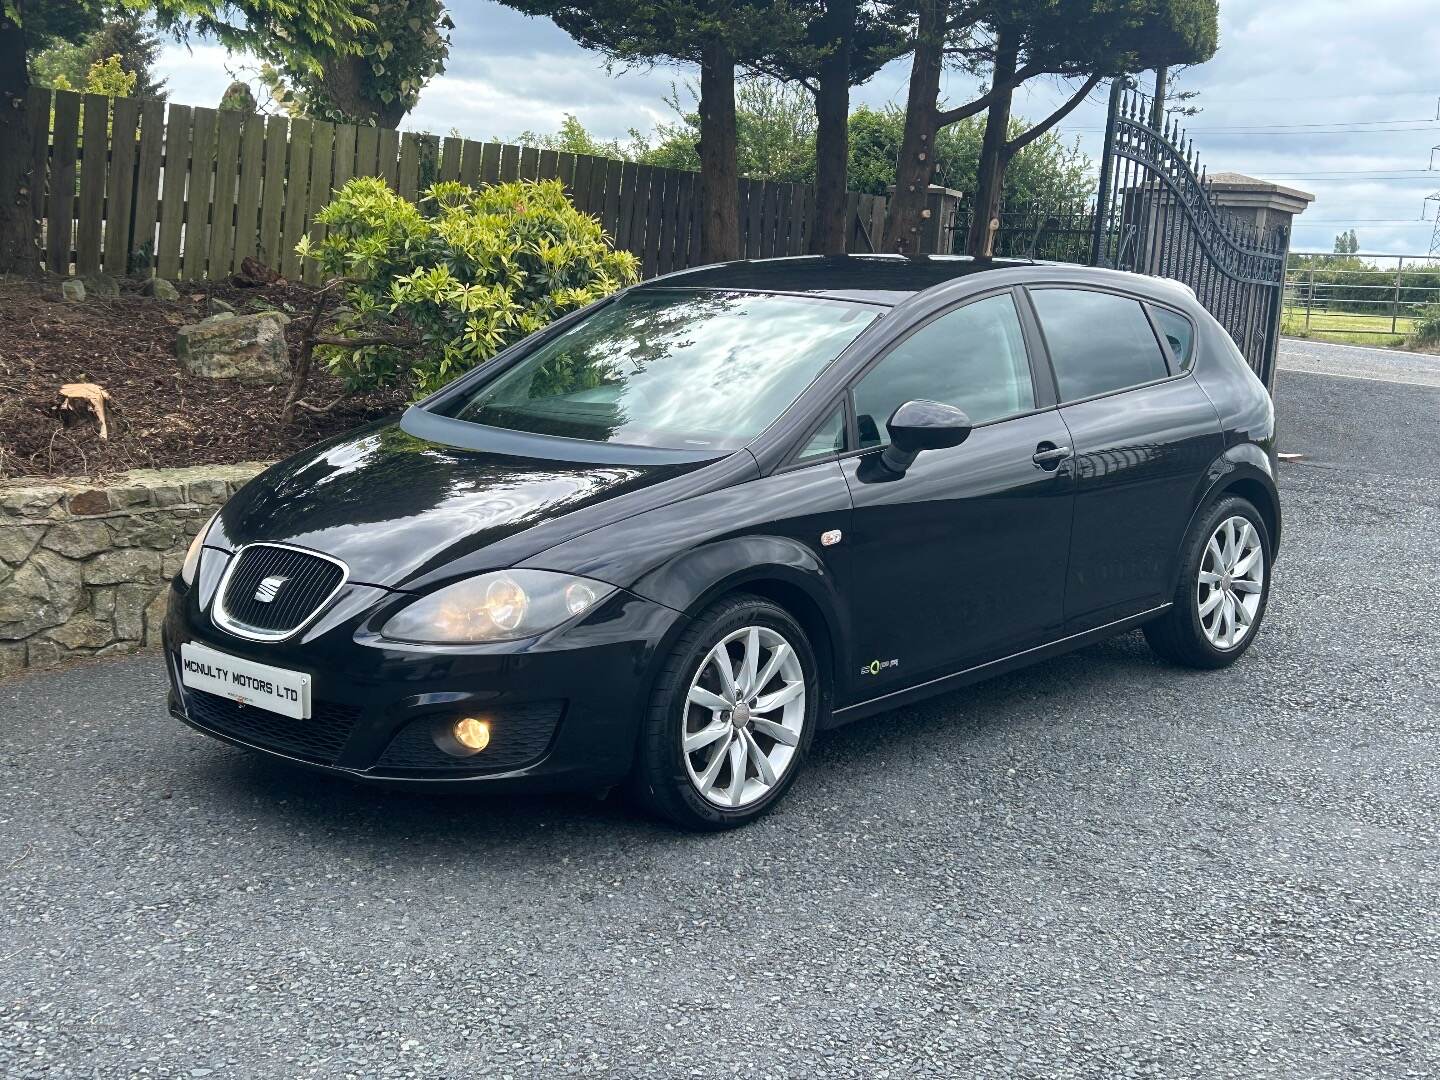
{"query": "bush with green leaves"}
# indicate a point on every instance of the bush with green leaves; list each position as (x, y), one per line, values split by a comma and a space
(1427, 326)
(433, 289)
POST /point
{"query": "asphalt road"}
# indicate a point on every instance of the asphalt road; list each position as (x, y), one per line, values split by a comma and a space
(1099, 867)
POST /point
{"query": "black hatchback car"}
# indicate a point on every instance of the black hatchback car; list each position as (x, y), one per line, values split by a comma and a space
(666, 539)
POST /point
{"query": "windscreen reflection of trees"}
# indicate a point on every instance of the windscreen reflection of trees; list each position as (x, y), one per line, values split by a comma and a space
(687, 370)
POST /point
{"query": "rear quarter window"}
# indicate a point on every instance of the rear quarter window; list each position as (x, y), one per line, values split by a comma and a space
(1179, 335)
(1099, 342)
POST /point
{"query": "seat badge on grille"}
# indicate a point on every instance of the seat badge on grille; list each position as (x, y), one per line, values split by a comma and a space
(270, 588)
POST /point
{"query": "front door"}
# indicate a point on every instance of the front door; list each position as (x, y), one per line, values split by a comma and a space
(960, 559)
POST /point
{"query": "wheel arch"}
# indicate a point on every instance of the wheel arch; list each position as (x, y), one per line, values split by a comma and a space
(1242, 470)
(776, 568)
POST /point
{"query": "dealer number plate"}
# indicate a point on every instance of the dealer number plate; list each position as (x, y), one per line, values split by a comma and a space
(274, 689)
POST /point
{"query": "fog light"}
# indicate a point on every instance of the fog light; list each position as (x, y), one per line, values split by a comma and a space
(472, 734)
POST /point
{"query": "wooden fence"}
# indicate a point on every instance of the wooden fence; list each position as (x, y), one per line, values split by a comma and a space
(124, 182)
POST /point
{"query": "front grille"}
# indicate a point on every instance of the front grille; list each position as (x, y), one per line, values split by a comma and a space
(297, 583)
(319, 739)
(519, 735)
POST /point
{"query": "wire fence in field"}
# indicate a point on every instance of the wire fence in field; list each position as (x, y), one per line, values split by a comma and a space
(1362, 294)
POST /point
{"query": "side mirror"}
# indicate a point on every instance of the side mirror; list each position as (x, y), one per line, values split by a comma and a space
(922, 425)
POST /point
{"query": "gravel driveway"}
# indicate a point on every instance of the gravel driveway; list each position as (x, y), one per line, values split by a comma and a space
(1099, 867)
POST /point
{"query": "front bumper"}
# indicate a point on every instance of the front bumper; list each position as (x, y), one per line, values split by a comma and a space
(563, 709)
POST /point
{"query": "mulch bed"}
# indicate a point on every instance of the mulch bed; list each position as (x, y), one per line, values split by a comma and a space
(160, 416)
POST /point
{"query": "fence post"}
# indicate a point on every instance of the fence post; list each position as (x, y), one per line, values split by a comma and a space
(1309, 293)
(1107, 165)
(1395, 303)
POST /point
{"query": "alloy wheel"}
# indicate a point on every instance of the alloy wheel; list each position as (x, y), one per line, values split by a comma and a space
(1230, 583)
(744, 715)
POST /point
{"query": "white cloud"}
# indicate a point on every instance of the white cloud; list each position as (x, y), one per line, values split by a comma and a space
(1281, 62)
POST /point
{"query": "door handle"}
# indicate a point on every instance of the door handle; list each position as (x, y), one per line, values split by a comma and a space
(1048, 455)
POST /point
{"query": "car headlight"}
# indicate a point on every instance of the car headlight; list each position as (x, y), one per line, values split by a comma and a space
(501, 606)
(192, 555)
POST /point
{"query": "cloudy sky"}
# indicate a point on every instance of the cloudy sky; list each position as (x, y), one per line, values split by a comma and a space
(1335, 97)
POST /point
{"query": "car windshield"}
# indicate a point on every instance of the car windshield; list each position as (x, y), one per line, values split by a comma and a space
(682, 369)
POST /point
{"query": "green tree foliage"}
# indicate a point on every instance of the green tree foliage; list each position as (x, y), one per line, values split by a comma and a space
(432, 290)
(776, 128)
(717, 37)
(1347, 243)
(372, 76)
(126, 35)
(1009, 42)
(1048, 171)
(105, 77)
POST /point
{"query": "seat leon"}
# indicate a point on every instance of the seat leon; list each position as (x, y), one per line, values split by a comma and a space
(667, 539)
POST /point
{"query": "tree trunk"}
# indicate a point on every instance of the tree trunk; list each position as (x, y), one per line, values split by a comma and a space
(832, 132)
(916, 165)
(994, 155)
(18, 253)
(719, 166)
(344, 82)
(1157, 110)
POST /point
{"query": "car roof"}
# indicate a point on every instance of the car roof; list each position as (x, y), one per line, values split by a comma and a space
(890, 279)
(875, 279)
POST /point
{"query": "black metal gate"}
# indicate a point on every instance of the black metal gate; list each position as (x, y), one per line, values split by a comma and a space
(1156, 214)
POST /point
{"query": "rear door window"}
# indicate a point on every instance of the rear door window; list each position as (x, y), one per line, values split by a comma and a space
(1099, 342)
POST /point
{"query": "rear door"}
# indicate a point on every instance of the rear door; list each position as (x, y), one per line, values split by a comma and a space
(1144, 434)
(962, 558)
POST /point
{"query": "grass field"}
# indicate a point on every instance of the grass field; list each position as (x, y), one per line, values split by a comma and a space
(1346, 327)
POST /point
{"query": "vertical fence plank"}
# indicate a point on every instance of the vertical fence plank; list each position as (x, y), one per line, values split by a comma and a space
(697, 215)
(343, 167)
(227, 178)
(548, 166)
(565, 171)
(685, 253)
(670, 222)
(407, 176)
(297, 197)
(753, 193)
(197, 195)
(581, 182)
(490, 164)
(322, 174)
(471, 156)
(367, 150)
(120, 185)
(509, 163)
(599, 167)
(429, 162)
(625, 209)
(39, 116)
(877, 222)
(644, 185)
(610, 218)
(654, 208)
(529, 163)
(247, 199)
(61, 204)
(172, 190)
(147, 178)
(272, 190)
(387, 151)
(450, 157)
(93, 152)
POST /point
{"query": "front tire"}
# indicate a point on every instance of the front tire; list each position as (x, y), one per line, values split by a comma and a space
(731, 717)
(1224, 587)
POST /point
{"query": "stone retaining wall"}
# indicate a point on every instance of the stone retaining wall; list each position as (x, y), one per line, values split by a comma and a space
(83, 568)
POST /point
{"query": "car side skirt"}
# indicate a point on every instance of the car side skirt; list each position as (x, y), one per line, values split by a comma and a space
(991, 668)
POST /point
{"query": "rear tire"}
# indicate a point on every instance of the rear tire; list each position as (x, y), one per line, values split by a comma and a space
(748, 732)
(1223, 590)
